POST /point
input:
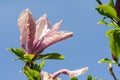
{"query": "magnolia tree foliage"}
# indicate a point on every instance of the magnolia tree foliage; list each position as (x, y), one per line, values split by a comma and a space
(36, 36)
(111, 11)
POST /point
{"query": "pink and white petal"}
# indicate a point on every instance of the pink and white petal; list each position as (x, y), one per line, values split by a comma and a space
(22, 29)
(23, 39)
(42, 27)
(55, 28)
(27, 29)
(70, 73)
(78, 72)
(49, 40)
(46, 76)
(37, 45)
(62, 71)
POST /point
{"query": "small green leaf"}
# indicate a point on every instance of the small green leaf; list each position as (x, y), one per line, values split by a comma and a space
(31, 74)
(106, 60)
(51, 56)
(41, 65)
(108, 11)
(28, 57)
(108, 24)
(114, 36)
(89, 77)
(102, 22)
(111, 3)
(21, 54)
(16, 59)
(73, 78)
(17, 51)
(95, 79)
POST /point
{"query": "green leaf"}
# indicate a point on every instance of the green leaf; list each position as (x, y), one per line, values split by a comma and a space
(37, 67)
(108, 11)
(28, 57)
(31, 74)
(21, 54)
(111, 3)
(50, 56)
(17, 59)
(89, 77)
(18, 52)
(114, 36)
(41, 65)
(102, 22)
(106, 60)
(108, 24)
(95, 79)
(73, 78)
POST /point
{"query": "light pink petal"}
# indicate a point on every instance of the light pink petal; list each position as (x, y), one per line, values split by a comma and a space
(38, 44)
(51, 32)
(27, 29)
(78, 72)
(46, 76)
(70, 73)
(52, 39)
(55, 28)
(42, 27)
(62, 71)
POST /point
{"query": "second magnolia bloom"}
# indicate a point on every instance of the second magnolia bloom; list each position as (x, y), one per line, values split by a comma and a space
(47, 76)
(35, 36)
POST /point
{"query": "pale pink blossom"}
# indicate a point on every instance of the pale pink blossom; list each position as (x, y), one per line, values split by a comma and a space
(35, 36)
(75, 73)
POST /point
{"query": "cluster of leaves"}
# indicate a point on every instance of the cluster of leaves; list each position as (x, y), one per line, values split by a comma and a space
(33, 73)
(91, 78)
(31, 69)
(29, 57)
(109, 12)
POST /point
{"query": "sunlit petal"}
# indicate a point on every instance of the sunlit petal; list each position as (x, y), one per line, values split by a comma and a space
(42, 27)
(55, 28)
(78, 72)
(52, 39)
(70, 73)
(27, 29)
(46, 76)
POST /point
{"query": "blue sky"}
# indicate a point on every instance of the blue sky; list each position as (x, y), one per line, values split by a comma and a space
(85, 48)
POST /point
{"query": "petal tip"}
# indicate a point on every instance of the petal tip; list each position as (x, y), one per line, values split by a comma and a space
(43, 17)
(79, 71)
(61, 21)
(26, 11)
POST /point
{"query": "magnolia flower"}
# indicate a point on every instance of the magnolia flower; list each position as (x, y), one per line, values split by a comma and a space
(35, 36)
(47, 76)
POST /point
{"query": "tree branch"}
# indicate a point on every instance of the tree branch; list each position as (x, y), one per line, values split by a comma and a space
(99, 2)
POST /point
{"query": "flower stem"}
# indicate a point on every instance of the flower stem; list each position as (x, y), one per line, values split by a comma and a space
(110, 68)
